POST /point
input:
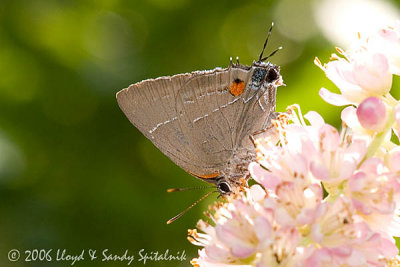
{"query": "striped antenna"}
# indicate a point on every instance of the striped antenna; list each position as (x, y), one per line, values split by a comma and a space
(188, 188)
(188, 208)
(266, 42)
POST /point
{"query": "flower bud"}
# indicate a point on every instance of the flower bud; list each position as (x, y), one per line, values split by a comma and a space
(371, 114)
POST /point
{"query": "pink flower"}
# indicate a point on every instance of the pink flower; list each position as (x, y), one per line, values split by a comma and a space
(242, 229)
(361, 74)
(282, 249)
(333, 158)
(375, 194)
(295, 205)
(343, 242)
(388, 42)
(276, 158)
(367, 249)
(332, 227)
(308, 152)
(246, 234)
(372, 188)
(303, 201)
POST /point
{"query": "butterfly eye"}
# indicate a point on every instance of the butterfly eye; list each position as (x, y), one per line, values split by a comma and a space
(272, 75)
(224, 188)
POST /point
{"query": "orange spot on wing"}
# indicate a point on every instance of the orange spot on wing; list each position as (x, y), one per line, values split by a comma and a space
(206, 176)
(237, 87)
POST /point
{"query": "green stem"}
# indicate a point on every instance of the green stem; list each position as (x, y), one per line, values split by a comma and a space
(380, 137)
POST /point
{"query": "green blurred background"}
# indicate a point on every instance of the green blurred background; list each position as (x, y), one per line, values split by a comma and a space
(74, 173)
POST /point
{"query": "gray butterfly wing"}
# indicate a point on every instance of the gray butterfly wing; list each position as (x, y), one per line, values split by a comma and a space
(193, 118)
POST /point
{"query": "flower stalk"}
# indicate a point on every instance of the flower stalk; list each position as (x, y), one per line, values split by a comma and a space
(379, 139)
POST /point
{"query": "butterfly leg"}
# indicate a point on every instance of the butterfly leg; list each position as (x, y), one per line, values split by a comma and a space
(252, 136)
(269, 128)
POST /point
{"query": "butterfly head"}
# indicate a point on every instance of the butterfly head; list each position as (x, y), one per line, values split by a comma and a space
(223, 187)
(226, 186)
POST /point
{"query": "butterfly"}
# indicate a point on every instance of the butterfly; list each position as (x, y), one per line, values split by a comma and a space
(205, 121)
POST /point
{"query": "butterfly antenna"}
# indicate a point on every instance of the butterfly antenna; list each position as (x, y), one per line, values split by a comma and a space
(191, 206)
(266, 42)
(188, 188)
(270, 55)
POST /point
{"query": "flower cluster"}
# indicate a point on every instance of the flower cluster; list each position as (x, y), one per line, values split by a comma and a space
(324, 197)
